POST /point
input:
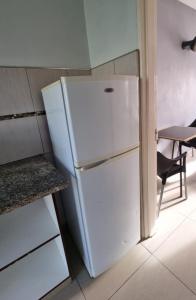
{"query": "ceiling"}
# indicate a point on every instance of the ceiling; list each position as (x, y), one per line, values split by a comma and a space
(191, 3)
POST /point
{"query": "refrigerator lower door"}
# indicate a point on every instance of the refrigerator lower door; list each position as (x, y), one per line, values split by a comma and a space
(110, 204)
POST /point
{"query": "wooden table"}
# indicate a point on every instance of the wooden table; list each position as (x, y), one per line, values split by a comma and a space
(177, 134)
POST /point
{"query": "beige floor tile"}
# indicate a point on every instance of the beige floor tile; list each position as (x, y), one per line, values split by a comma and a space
(167, 222)
(68, 292)
(192, 216)
(178, 253)
(107, 284)
(191, 173)
(185, 208)
(153, 282)
(172, 188)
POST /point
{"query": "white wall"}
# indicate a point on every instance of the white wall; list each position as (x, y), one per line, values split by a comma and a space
(43, 33)
(111, 28)
(176, 67)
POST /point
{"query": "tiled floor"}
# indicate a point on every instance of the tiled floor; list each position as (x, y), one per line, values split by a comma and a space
(161, 268)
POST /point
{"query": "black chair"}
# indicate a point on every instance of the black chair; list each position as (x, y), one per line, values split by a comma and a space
(191, 143)
(168, 167)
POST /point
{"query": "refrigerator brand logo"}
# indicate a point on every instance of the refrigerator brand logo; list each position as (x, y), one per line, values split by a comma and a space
(109, 90)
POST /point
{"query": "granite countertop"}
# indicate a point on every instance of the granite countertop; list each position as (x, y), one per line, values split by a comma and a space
(26, 180)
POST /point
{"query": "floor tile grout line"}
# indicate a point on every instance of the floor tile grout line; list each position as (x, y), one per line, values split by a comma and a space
(151, 253)
(81, 289)
(128, 278)
(180, 280)
(170, 234)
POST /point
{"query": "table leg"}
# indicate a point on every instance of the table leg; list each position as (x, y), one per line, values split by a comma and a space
(180, 152)
(173, 148)
(180, 184)
(180, 148)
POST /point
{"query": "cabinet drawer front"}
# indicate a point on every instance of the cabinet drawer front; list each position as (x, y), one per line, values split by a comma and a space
(36, 274)
(26, 228)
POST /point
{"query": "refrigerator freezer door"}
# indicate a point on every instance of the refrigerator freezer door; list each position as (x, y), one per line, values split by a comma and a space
(102, 117)
(125, 114)
(110, 204)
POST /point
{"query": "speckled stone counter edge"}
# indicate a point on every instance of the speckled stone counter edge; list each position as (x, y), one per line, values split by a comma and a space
(33, 198)
(24, 181)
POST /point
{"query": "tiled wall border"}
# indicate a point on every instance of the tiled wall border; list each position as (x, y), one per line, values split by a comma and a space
(23, 124)
(22, 115)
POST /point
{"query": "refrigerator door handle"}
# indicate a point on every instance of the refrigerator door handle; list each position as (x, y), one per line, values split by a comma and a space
(103, 161)
(93, 165)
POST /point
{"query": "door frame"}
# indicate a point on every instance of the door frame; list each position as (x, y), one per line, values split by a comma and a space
(147, 29)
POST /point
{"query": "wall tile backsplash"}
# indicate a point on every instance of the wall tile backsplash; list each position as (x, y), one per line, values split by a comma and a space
(19, 138)
(125, 65)
(15, 94)
(20, 93)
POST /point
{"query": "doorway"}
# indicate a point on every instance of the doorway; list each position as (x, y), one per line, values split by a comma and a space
(173, 100)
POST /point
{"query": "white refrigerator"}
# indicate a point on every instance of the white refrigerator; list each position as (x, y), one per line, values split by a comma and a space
(94, 128)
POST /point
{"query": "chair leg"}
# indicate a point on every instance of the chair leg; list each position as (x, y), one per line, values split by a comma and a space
(161, 198)
(185, 186)
(180, 184)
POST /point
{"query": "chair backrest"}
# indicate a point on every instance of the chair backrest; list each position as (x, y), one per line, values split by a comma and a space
(193, 124)
(160, 159)
(163, 164)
